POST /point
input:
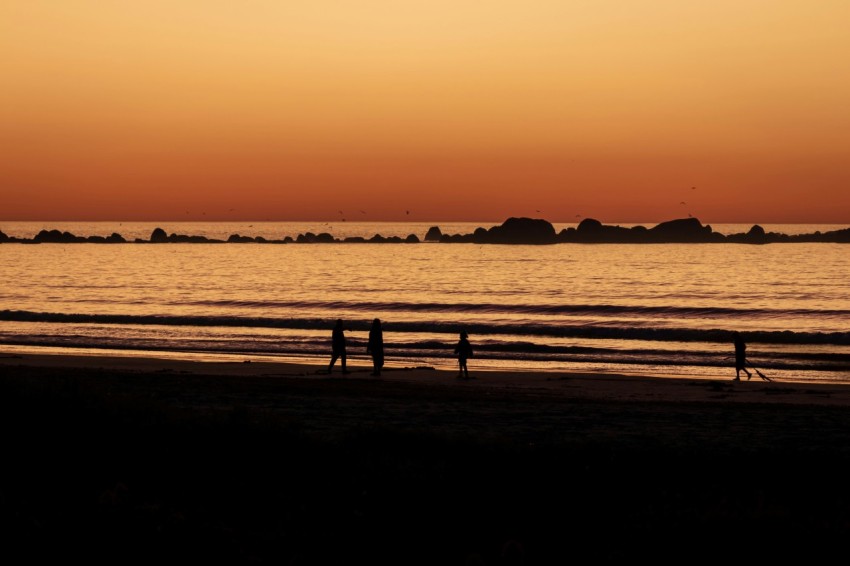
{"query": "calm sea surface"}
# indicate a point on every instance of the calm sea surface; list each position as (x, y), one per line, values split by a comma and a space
(653, 308)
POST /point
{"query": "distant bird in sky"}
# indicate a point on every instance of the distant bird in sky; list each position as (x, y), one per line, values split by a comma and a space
(683, 202)
(407, 212)
(339, 211)
(692, 188)
(362, 212)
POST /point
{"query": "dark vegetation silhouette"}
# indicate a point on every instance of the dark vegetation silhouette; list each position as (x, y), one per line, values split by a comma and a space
(522, 231)
(375, 347)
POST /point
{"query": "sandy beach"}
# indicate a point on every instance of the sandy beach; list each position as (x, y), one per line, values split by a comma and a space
(141, 460)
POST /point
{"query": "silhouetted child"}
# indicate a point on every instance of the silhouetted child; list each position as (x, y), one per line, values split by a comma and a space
(464, 352)
(338, 346)
(376, 347)
(740, 357)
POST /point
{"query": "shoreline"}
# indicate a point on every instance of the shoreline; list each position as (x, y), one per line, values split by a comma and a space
(147, 460)
(600, 386)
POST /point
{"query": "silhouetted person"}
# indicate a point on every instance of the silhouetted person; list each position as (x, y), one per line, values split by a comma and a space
(740, 357)
(376, 347)
(338, 346)
(464, 352)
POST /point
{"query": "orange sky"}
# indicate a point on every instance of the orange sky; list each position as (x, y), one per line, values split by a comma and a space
(454, 110)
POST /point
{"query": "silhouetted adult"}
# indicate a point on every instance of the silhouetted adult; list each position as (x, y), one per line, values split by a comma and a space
(376, 347)
(740, 357)
(338, 346)
(464, 352)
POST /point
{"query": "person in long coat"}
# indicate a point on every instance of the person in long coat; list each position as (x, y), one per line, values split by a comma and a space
(375, 347)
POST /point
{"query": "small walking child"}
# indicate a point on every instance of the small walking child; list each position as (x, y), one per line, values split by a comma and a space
(463, 351)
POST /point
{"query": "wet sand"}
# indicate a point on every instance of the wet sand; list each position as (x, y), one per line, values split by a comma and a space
(144, 460)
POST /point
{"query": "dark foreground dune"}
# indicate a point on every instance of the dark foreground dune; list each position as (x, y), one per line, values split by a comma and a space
(110, 460)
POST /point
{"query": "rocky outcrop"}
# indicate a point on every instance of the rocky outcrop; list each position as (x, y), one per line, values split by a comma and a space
(56, 237)
(515, 230)
(521, 231)
(682, 230)
(158, 236)
(592, 231)
(434, 234)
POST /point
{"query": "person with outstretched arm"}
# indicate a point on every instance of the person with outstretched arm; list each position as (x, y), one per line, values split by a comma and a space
(740, 357)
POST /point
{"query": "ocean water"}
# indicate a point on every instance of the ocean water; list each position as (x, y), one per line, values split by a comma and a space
(662, 309)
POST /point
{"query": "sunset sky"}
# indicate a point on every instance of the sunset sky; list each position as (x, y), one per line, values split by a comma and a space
(449, 109)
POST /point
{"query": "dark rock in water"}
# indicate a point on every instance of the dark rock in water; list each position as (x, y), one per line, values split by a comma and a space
(260, 240)
(838, 236)
(3, 237)
(377, 239)
(521, 231)
(411, 239)
(592, 231)
(308, 238)
(682, 230)
(481, 235)
(96, 240)
(288, 240)
(116, 238)
(756, 235)
(237, 239)
(354, 240)
(434, 234)
(567, 235)
(325, 238)
(457, 238)
(589, 226)
(158, 236)
(56, 237)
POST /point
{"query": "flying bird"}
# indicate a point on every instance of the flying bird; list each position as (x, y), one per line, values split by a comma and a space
(683, 202)
(407, 212)
(362, 212)
(692, 188)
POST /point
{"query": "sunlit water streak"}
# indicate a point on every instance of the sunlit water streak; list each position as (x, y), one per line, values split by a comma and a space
(646, 308)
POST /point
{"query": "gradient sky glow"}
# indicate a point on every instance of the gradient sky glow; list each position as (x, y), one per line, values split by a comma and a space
(454, 110)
